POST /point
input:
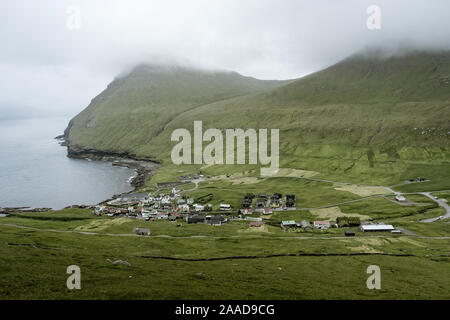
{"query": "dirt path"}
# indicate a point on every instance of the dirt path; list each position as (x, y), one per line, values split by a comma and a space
(195, 182)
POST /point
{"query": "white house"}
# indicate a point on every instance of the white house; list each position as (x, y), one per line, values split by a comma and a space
(225, 207)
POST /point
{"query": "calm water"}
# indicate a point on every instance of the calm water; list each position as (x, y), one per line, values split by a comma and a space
(35, 172)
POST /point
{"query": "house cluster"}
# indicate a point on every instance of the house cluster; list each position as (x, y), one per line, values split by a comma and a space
(306, 225)
(265, 204)
(170, 207)
(339, 223)
(216, 220)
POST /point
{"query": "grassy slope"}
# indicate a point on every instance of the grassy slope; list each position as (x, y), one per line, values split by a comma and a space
(45, 256)
(137, 106)
(365, 119)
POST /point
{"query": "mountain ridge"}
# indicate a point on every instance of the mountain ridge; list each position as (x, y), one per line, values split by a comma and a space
(359, 117)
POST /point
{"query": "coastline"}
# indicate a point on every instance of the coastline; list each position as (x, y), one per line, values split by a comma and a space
(143, 167)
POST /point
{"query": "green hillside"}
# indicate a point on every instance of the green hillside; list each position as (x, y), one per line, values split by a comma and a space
(365, 119)
(372, 78)
(136, 107)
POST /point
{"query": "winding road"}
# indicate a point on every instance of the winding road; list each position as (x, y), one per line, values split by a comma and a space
(441, 203)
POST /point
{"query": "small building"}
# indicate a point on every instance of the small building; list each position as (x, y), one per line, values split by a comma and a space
(195, 219)
(141, 231)
(305, 224)
(216, 220)
(184, 208)
(260, 203)
(267, 211)
(162, 215)
(290, 200)
(246, 211)
(376, 227)
(99, 210)
(349, 233)
(198, 208)
(288, 224)
(323, 224)
(225, 207)
(255, 224)
(257, 219)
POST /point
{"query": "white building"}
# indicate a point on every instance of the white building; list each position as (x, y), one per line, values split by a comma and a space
(376, 227)
(225, 207)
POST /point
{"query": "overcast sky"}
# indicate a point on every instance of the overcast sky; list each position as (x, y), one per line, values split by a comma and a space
(48, 66)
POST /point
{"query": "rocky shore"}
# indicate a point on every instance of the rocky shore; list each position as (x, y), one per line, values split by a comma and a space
(144, 167)
(23, 209)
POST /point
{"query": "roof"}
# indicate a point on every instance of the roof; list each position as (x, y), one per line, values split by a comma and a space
(377, 227)
(288, 223)
(322, 222)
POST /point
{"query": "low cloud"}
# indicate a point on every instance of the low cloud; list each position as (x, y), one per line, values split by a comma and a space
(48, 69)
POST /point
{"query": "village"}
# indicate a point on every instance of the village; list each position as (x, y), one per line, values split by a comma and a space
(175, 207)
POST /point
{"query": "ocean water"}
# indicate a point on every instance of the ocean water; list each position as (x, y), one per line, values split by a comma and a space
(35, 171)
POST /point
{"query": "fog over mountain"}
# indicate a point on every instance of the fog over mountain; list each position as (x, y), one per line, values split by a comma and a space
(52, 66)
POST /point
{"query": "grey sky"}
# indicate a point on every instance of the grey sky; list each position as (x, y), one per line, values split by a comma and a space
(48, 69)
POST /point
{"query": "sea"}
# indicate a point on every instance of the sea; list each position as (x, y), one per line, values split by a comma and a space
(36, 172)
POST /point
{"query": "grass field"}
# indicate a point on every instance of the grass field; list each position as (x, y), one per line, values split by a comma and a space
(34, 260)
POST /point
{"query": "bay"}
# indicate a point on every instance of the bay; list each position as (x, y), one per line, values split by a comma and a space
(35, 171)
